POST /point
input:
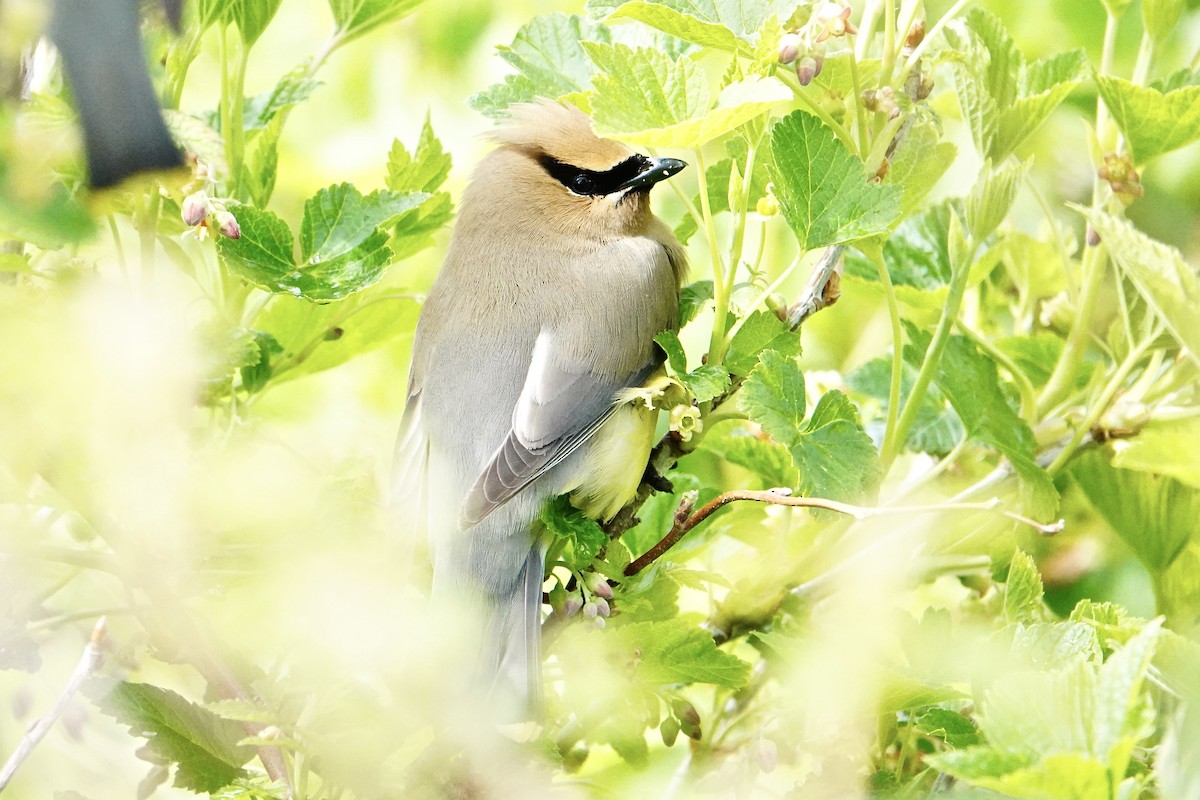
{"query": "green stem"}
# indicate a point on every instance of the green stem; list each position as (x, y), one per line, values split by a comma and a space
(762, 297)
(919, 50)
(739, 224)
(890, 445)
(120, 248)
(721, 293)
(866, 28)
(1106, 59)
(941, 336)
(789, 77)
(860, 114)
(1145, 56)
(235, 136)
(889, 42)
(1094, 262)
(146, 234)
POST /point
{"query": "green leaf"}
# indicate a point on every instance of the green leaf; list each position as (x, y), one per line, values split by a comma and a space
(646, 97)
(339, 219)
(1160, 16)
(584, 537)
(318, 338)
(766, 459)
(971, 383)
(292, 89)
(342, 249)
(251, 17)
(424, 170)
(675, 651)
(1003, 98)
(201, 744)
(1121, 714)
(993, 196)
(1179, 79)
(822, 189)
(762, 330)
(1164, 447)
(978, 763)
(548, 54)
(255, 376)
(263, 251)
(673, 349)
(1153, 122)
(356, 17)
(196, 136)
(1062, 776)
(706, 382)
(916, 253)
(692, 298)
(723, 24)
(547, 50)
(774, 397)
(919, 162)
(494, 101)
(1155, 515)
(1163, 279)
(1023, 590)
(936, 429)
(950, 726)
(835, 457)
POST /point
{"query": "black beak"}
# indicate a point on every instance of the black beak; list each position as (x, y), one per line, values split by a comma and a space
(657, 169)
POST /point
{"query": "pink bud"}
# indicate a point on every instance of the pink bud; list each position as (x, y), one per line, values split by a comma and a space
(602, 589)
(194, 208)
(789, 48)
(590, 609)
(229, 225)
(806, 70)
(602, 606)
(767, 755)
(572, 606)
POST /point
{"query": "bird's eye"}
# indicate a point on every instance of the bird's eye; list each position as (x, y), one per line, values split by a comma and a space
(581, 184)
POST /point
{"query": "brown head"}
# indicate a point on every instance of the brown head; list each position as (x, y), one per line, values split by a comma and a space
(552, 171)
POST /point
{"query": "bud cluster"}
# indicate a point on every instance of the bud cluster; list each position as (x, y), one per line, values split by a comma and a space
(1122, 177)
(199, 207)
(805, 47)
(591, 599)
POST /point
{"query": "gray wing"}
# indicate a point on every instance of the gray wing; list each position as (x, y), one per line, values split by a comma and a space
(561, 405)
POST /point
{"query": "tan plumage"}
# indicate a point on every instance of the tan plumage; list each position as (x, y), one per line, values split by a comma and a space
(557, 279)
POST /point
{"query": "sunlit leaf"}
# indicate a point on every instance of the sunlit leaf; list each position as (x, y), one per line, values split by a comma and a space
(822, 189)
(201, 744)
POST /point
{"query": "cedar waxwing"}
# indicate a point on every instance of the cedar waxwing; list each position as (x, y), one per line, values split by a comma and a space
(557, 279)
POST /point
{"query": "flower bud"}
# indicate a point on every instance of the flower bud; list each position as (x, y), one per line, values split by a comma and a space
(602, 608)
(572, 605)
(599, 622)
(669, 729)
(789, 48)
(768, 205)
(601, 588)
(228, 225)
(195, 208)
(590, 609)
(1093, 237)
(806, 70)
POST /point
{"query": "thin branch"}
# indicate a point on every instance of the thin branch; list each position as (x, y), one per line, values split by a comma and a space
(823, 289)
(685, 522)
(88, 663)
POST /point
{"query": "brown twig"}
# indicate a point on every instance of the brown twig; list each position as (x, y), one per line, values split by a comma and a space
(88, 663)
(685, 522)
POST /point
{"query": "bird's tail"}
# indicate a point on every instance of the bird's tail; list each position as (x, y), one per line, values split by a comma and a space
(513, 655)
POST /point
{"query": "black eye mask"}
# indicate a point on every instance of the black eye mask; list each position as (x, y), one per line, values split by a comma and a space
(590, 183)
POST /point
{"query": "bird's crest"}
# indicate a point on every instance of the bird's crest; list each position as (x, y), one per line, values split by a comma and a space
(561, 132)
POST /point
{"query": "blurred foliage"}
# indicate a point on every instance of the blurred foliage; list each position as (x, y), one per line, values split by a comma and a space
(201, 375)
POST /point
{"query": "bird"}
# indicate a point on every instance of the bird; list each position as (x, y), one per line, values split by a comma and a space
(556, 281)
